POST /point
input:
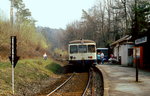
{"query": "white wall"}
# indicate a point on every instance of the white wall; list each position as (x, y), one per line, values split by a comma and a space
(115, 51)
(123, 52)
(124, 55)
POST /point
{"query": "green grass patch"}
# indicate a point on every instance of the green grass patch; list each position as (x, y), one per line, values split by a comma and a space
(5, 65)
(55, 68)
(27, 72)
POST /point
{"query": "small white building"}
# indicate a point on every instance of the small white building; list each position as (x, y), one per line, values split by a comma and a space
(123, 51)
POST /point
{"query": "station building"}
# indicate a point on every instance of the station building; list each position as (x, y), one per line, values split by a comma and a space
(131, 52)
(123, 50)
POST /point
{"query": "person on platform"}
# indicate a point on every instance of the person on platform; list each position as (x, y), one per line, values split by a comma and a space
(45, 56)
(98, 58)
(102, 57)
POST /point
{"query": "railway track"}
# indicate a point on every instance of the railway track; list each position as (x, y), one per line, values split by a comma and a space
(79, 84)
(52, 92)
(73, 86)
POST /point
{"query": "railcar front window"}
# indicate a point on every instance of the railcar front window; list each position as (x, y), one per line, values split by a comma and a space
(73, 49)
(91, 48)
(82, 48)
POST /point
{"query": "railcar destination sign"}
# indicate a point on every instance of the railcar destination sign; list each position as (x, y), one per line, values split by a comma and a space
(141, 40)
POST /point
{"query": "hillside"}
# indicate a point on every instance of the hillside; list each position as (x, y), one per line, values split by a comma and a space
(31, 75)
(54, 37)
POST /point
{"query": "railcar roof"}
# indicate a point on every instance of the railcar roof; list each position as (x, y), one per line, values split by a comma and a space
(82, 41)
(101, 48)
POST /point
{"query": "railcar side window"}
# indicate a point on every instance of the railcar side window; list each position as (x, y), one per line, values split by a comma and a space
(73, 49)
(91, 48)
(82, 48)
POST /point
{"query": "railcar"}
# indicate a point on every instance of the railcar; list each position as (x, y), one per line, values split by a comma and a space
(82, 53)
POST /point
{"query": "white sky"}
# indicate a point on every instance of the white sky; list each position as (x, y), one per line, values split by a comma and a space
(52, 13)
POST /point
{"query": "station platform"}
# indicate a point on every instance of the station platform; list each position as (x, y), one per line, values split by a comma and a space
(121, 81)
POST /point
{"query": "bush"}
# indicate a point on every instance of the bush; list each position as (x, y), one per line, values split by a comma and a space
(28, 40)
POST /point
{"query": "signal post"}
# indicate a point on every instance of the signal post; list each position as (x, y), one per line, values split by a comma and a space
(13, 58)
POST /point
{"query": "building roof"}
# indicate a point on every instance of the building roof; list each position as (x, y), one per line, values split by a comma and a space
(125, 38)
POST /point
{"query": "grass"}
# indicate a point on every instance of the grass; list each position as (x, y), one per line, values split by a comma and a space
(55, 68)
(28, 74)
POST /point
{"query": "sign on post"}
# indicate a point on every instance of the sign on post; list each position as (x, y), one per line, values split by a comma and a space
(13, 57)
(141, 40)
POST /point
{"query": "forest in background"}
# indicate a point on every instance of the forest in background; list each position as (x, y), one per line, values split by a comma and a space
(110, 20)
(105, 22)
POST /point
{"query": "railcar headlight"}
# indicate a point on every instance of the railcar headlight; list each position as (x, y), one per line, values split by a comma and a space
(90, 57)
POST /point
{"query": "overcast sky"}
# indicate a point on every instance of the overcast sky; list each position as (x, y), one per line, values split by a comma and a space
(52, 13)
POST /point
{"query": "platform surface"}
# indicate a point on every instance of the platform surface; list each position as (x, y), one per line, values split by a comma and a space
(121, 81)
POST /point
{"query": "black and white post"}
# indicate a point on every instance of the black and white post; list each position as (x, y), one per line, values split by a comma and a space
(13, 58)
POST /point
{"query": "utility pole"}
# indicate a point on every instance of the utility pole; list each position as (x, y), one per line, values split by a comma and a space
(124, 2)
(11, 12)
(136, 30)
(125, 5)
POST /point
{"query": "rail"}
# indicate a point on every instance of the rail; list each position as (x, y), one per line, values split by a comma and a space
(95, 83)
(89, 80)
(61, 85)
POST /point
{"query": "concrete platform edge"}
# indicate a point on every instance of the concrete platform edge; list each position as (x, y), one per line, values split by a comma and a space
(105, 80)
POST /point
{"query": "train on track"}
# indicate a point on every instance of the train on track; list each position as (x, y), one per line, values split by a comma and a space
(82, 53)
